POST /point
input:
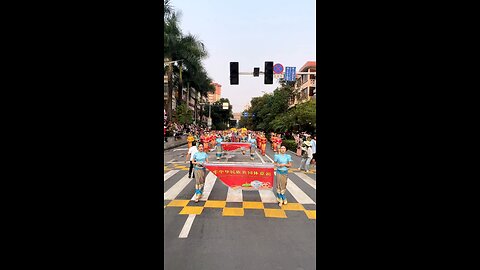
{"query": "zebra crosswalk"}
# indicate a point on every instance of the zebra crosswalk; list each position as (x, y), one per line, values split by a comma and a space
(179, 191)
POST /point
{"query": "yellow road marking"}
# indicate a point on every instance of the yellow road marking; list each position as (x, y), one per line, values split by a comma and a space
(215, 204)
(311, 214)
(188, 210)
(178, 203)
(293, 206)
(236, 212)
(253, 205)
(276, 213)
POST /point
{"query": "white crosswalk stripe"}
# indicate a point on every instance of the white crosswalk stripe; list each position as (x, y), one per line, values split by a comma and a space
(169, 174)
(236, 195)
(267, 196)
(307, 179)
(298, 194)
(173, 192)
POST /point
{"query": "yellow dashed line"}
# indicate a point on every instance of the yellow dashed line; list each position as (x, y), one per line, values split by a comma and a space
(235, 212)
(253, 205)
(293, 207)
(311, 214)
(275, 213)
(240, 211)
(187, 210)
(178, 203)
(215, 204)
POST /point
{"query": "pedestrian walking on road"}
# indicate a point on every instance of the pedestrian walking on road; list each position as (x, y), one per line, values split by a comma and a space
(253, 145)
(314, 150)
(189, 158)
(199, 159)
(306, 156)
(299, 142)
(283, 162)
(218, 141)
(190, 140)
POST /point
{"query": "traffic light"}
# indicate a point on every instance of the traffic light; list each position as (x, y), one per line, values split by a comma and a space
(233, 73)
(256, 72)
(268, 73)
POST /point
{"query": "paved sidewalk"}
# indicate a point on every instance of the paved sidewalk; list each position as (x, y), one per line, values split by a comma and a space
(172, 143)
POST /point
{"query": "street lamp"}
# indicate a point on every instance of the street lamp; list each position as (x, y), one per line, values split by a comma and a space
(171, 62)
(210, 112)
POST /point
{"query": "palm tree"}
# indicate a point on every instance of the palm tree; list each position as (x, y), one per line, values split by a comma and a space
(191, 51)
(171, 34)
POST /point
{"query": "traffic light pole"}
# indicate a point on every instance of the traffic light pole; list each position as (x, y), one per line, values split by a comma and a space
(250, 73)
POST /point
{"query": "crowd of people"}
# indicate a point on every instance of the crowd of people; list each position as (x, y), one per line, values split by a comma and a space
(201, 141)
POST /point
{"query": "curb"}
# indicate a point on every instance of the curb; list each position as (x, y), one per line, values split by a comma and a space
(173, 146)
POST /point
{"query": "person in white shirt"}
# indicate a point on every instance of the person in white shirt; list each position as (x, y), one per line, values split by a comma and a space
(191, 153)
(307, 156)
(314, 149)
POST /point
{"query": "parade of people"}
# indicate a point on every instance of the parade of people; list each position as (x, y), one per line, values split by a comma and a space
(240, 160)
(199, 159)
(282, 161)
(218, 146)
(253, 145)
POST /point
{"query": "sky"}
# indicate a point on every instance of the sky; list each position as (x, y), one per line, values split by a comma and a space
(250, 32)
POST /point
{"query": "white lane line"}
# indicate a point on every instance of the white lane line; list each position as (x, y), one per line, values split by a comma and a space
(173, 192)
(209, 183)
(307, 179)
(269, 158)
(170, 161)
(267, 196)
(263, 161)
(180, 149)
(234, 195)
(298, 194)
(188, 225)
(169, 174)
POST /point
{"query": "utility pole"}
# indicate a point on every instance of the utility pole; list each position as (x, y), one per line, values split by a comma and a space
(209, 115)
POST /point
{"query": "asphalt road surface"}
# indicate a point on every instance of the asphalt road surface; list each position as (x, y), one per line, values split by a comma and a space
(231, 229)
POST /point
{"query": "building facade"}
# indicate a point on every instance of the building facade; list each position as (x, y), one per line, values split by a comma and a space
(305, 85)
(215, 96)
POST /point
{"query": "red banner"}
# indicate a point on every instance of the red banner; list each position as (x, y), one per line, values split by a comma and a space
(230, 146)
(248, 176)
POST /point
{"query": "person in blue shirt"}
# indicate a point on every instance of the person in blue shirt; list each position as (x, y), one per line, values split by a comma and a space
(282, 161)
(253, 145)
(218, 145)
(199, 159)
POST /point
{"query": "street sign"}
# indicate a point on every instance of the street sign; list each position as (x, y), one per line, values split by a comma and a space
(277, 68)
(225, 105)
(245, 114)
(278, 76)
(290, 73)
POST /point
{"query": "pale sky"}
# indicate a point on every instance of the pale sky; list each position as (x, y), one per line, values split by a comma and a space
(250, 32)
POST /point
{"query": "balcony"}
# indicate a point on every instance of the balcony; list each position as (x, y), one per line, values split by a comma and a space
(308, 83)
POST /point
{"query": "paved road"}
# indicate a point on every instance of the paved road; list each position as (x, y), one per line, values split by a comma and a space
(237, 230)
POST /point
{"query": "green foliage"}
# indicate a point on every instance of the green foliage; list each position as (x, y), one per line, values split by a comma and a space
(184, 114)
(290, 144)
(188, 48)
(220, 117)
(270, 110)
